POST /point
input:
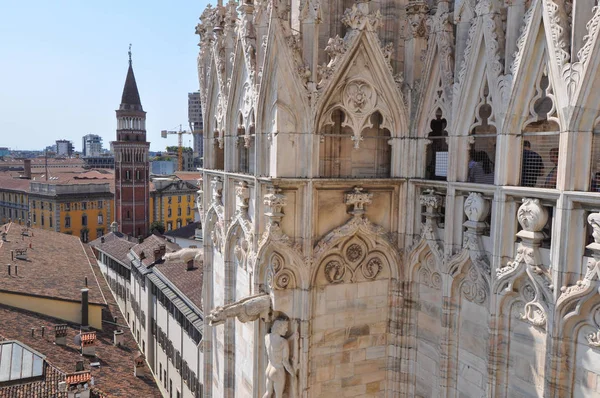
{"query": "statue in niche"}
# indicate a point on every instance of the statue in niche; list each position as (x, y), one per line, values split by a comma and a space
(278, 353)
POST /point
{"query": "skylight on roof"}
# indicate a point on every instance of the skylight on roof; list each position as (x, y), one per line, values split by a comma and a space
(17, 361)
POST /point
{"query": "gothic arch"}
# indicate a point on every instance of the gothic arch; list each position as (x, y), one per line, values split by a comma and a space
(369, 238)
(424, 265)
(362, 84)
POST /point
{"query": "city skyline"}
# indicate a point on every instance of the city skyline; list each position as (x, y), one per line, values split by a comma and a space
(68, 63)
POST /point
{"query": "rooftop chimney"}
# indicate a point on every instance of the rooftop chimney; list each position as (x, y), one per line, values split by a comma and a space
(102, 239)
(163, 250)
(60, 334)
(88, 343)
(157, 255)
(118, 338)
(141, 239)
(138, 365)
(190, 265)
(78, 384)
(27, 169)
(84, 307)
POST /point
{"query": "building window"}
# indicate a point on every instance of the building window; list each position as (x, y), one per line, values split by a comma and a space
(179, 199)
(178, 223)
(50, 222)
(179, 211)
(42, 220)
(67, 206)
(99, 204)
(42, 205)
(84, 220)
(32, 202)
(99, 232)
(188, 198)
(137, 174)
(436, 155)
(169, 212)
(83, 205)
(188, 210)
(483, 150)
(343, 154)
(67, 221)
(169, 200)
(84, 235)
(127, 175)
(169, 226)
(100, 219)
(128, 215)
(50, 206)
(34, 217)
(540, 140)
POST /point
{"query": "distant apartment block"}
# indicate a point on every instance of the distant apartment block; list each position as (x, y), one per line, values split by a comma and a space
(195, 120)
(64, 148)
(91, 145)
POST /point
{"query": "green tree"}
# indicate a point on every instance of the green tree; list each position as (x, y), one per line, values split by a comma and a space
(157, 226)
(175, 149)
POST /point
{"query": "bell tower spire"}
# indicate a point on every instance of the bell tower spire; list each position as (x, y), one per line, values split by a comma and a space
(132, 187)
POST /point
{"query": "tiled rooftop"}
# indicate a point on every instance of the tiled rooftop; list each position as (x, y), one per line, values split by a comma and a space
(113, 378)
(56, 265)
(149, 245)
(187, 282)
(116, 245)
(186, 232)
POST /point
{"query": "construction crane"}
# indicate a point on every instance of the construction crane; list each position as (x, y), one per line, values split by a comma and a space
(180, 133)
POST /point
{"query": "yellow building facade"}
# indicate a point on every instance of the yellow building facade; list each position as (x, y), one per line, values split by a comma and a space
(173, 202)
(83, 210)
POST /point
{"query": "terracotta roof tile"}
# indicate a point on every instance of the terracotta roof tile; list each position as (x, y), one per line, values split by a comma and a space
(56, 265)
(116, 245)
(78, 378)
(113, 378)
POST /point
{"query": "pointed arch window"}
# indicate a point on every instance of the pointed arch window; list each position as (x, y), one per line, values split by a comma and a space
(245, 144)
(540, 139)
(344, 154)
(483, 134)
(436, 156)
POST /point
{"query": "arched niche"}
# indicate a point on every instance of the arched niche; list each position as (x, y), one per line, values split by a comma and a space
(436, 155)
(345, 153)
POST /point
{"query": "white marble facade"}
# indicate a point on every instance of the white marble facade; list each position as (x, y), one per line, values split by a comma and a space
(373, 221)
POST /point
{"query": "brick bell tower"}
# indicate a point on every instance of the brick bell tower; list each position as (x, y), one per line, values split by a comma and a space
(132, 183)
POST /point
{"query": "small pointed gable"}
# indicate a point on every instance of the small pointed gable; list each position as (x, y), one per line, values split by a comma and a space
(362, 84)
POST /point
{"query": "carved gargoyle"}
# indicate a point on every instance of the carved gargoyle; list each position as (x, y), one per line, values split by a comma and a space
(185, 255)
(245, 310)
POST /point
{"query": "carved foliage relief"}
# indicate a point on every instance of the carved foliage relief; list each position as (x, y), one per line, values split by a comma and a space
(353, 261)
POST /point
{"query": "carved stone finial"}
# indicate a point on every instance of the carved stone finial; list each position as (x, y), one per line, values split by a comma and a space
(431, 200)
(358, 199)
(532, 216)
(275, 201)
(476, 207)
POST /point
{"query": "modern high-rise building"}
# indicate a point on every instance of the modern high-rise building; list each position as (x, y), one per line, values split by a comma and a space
(91, 145)
(132, 187)
(195, 120)
(64, 148)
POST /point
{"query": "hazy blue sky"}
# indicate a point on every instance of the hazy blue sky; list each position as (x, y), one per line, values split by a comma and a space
(63, 65)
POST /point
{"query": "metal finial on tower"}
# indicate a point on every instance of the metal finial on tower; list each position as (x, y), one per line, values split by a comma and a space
(129, 54)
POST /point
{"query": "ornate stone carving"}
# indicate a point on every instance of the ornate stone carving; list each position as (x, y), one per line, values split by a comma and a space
(594, 339)
(428, 274)
(242, 194)
(571, 295)
(245, 310)
(416, 11)
(518, 56)
(278, 276)
(432, 201)
(357, 199)
(216, 185)
(278, 354)
(476, 207)
(358, 17)
(527, 264)
(340, 270)
(441, 28)
(473, 288)
(186, 255)
(310, 11)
